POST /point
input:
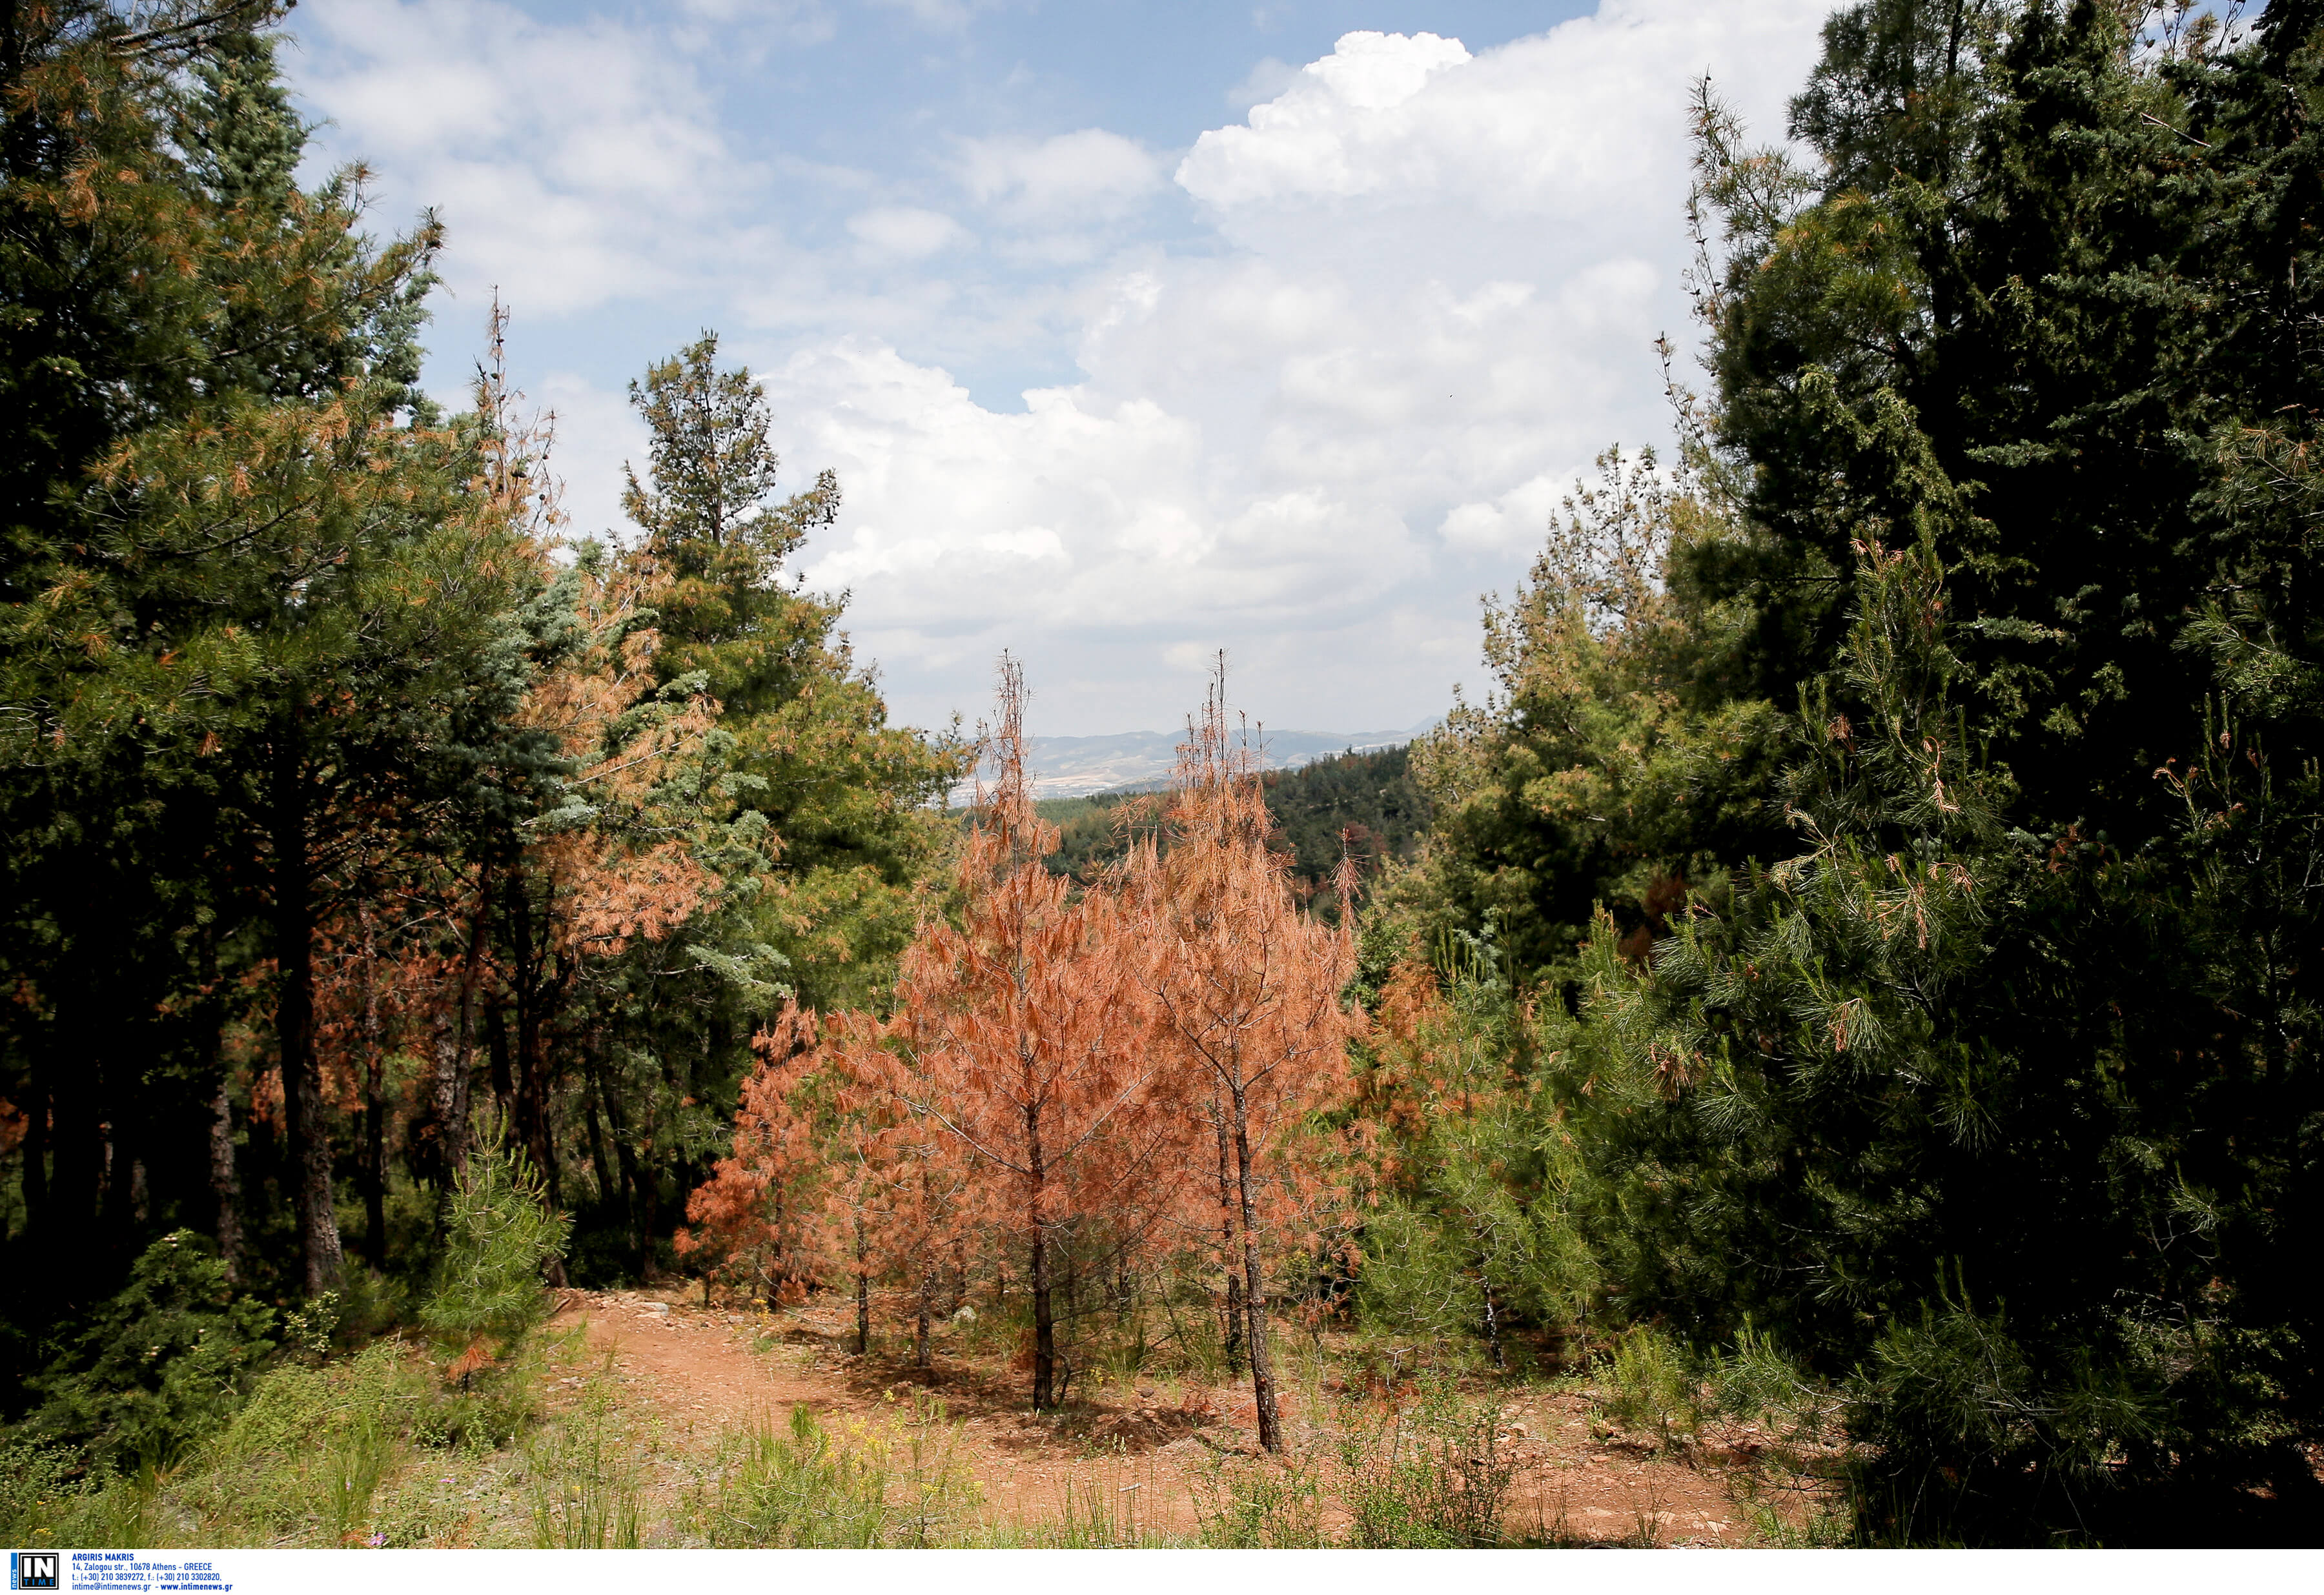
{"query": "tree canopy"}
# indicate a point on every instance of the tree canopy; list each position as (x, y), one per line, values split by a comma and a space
(1910, 799)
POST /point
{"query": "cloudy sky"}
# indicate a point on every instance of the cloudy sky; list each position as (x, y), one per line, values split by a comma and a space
(1134, 329)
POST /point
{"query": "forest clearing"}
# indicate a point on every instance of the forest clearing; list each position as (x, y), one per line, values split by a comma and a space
(1155, 1458)
(646, 1407)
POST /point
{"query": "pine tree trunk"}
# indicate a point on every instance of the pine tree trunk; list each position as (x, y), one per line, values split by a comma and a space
(1234, 1315)
(76, 1143)
(532, 1093)
(444, 1095)
(1254, 1287)
(862, 1290)
(375, 1101)
(598, 1165)
(78, 1162)
(456, 1048)
(650, 1224)
(553, 1001)
(125, 1171)
(1492, 1319)
(928, 1306)
(1045, 1326)
(36, 1153)
(957, 1278)
(928, 1272)
(294, 1025)
(226, 1188)
(497, 1071)
(531, 1066)
(226, 1183)
(1233, 1336)
(625, 1152)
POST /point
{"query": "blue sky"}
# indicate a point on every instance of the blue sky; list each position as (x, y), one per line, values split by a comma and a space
(1133, 330)
(870, 97)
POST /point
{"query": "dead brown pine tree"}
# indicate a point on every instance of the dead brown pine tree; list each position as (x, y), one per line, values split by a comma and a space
(1020, 1043)
(1243, 988)
(753, 1221)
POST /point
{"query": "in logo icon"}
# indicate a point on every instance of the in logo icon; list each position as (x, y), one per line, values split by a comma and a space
(33, 1570)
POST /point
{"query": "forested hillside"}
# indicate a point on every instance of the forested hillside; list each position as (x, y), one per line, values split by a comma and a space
(1364, 807)
(1850, 988)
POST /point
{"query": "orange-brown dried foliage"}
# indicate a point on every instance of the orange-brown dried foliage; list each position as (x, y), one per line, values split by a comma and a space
(1019, 1041)
(1243, 990)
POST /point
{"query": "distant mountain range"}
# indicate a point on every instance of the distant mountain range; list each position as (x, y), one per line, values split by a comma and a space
(1078, 766)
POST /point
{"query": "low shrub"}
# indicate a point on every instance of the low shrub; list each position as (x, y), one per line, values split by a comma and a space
(1430, 1474)
(900, 1482)
(1273, 1506)
(39, 1487)
(162, 1364)
(305, 1458)
(500, 1234)
(1651, 1385)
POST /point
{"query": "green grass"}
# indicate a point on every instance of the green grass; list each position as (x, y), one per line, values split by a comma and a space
(546, 1449)
(895, 1480)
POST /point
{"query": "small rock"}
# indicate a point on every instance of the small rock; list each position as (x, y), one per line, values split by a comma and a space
(967, 1315)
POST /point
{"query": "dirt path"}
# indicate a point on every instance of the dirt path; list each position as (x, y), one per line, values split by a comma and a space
(1141, 1460)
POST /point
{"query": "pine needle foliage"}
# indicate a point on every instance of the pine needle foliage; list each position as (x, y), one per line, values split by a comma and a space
(500, 1235)
(158, 1367)
(1989, 546)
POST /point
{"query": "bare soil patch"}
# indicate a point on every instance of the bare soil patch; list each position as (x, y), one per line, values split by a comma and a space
(1149, 1452)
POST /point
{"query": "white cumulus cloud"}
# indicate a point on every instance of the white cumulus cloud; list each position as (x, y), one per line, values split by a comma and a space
(572, 164)
(1420, 291)
(1336, 128)
(1441, 279)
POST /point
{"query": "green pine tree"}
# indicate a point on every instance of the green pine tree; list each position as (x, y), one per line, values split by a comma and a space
(845, 795)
